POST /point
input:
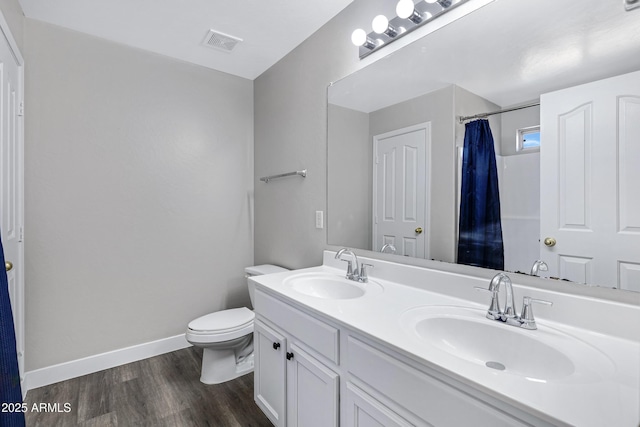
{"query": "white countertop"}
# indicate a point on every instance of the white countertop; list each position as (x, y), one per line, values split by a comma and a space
(608, 396)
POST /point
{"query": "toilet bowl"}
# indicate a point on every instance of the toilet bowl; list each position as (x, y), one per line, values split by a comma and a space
(226, 337)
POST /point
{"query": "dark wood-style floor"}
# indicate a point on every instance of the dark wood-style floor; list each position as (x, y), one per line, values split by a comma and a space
(161, 391)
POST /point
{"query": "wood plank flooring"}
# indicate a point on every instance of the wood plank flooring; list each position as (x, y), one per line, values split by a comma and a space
(161, 391)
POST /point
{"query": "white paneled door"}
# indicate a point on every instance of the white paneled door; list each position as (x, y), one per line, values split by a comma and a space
(12, 178)
(590, 170)
(400, 190)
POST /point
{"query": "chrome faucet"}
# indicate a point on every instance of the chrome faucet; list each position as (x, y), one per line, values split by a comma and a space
(509, 315)
(392, 249)
(538, 266)
(351, 273)
(358, 274)
(494, 312)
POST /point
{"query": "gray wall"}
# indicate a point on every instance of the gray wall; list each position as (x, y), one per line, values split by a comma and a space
(350, 158)
(291, 132)
(138, 194)
(469, 104)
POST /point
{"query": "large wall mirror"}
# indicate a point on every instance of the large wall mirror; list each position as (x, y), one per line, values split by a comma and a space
(395, 139)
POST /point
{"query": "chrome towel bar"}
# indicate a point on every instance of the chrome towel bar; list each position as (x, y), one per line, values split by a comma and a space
(302, 173)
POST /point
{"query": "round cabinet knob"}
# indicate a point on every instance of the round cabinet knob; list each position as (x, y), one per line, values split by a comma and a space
(8, 265)
(419, 230)
(289, 356)
(550, 241)
(276, 345)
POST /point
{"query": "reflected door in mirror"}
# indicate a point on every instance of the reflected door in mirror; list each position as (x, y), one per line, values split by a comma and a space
(400, 190)
(590, 169)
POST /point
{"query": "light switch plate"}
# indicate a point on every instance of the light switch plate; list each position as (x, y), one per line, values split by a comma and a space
(319, 219)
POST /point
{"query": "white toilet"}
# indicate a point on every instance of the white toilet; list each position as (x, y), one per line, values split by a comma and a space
(227, 337)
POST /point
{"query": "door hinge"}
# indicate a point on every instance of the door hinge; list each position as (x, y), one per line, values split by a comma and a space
(21, 234)
(21, 108)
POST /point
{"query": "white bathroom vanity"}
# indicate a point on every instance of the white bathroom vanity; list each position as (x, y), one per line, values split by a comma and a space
(413, 346)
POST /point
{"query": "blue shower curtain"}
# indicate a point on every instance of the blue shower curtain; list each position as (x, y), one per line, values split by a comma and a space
(480, 240)
(10, 391)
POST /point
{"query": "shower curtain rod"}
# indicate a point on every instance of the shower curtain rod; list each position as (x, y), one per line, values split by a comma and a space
(484, 115)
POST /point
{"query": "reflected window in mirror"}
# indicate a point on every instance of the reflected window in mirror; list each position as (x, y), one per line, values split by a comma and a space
(528, 139)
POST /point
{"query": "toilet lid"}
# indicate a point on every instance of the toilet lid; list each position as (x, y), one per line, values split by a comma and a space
(224, 320)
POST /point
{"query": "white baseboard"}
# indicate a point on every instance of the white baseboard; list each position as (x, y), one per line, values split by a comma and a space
(99, 362)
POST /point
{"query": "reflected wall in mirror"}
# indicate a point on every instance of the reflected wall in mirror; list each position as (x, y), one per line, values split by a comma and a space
(395, 139)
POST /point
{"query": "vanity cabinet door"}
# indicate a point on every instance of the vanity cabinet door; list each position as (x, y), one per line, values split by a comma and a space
(270, 373)
(312, 391)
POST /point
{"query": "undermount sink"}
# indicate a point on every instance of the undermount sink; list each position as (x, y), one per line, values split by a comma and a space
(542, 355)
(330, 286)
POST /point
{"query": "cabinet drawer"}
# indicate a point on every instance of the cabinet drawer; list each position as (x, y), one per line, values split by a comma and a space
(428, 398)
(319, 336)
(363, 410)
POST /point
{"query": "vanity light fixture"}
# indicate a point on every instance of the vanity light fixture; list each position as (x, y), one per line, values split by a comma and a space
(381, 25)
(406, 10)
(410, 16)
(360, 38)
(444, 3)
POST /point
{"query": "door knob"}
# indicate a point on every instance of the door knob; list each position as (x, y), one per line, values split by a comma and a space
(419, 230)
(8, 265)
(550, 241)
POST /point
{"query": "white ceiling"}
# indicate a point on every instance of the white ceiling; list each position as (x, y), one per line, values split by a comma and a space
(269, 29)
(508, 52)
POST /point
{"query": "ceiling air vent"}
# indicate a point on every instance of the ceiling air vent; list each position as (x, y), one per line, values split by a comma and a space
(221, 41)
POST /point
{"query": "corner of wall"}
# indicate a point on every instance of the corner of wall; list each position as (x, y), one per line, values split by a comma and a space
(14, 16)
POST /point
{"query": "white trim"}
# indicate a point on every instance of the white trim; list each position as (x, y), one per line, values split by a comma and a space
(99, 362)
(6, 30)
(19, 319)
(426, 126)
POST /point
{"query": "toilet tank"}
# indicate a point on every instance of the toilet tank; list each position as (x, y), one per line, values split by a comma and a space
(259, 270)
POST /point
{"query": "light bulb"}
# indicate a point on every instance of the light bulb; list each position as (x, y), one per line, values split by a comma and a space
(404, 9)
(380, 24)
(359, 37)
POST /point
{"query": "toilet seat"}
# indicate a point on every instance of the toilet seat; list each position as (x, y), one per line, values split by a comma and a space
(221, 326)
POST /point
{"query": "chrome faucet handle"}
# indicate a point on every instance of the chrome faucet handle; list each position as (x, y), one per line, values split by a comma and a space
(526, 319)
(493, 312)
(363, 278)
